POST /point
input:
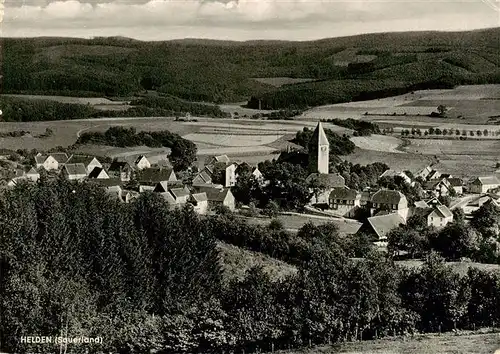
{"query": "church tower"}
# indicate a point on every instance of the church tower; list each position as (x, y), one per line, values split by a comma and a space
(319, 151)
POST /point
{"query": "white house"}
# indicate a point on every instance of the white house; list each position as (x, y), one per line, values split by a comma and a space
(393, 173)
(391, 201)
(483, 184)
(51, 162)
(142, 162)
(98, 173)
(90, 162)
(33, 175)
(200, 202)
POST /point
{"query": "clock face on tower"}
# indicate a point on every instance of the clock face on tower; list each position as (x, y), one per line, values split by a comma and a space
(323, 148)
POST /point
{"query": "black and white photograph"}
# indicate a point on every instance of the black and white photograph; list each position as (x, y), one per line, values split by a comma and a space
(250, 176)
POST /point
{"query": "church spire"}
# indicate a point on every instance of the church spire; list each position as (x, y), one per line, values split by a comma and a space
(319, 150)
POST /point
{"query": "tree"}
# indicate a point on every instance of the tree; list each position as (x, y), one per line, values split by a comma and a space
(182, 155)
(442, 110)
(271, 209)
(486, 219)
(456, 241)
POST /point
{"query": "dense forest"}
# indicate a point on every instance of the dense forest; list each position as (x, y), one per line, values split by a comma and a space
(15, 109)
(76, 262)
(338, 69)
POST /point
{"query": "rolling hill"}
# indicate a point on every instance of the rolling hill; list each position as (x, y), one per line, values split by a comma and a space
(331, 70)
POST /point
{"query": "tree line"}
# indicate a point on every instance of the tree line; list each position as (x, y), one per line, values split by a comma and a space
(182, 153)
(360, 127)
(147, 278)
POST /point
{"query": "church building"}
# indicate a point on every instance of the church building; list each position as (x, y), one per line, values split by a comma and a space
(321, 182)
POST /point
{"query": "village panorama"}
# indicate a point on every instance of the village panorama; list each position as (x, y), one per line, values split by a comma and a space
(198, 196)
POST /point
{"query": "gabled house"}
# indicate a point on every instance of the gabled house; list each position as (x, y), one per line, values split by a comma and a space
(121, 169)
(217, 196)
(98, 173)
(154, 175)
(439, 216)
(344, 201)
(394, 173)
(199, 202)
(33, 175)
(483, 184)
(438, 187)
(202, 177)
(74, 172)
(207, 175)
(221, 158)
(51, 162)
(378, 227)
(424, 173)
(127, 196)
(181, 195)
(457, 184)
(434, 175)
(389, 200)
(90, 162)
(322, 184)
(161, 187)
(142, 162)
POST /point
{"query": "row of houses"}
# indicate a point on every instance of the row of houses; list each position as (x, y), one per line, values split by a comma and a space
(116, 178)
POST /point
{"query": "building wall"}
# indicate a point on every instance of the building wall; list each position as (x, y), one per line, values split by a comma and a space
(201, 207)
(481, 188)
(230, 202)
(438, 221)
(346, 210)
(459, 190)
(323, 159)
(143, 163)
(93, 164)
(322, 197)
(51, 164)
(76, 177)
(230, 176)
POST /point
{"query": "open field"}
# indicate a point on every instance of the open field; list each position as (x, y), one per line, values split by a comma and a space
(101, 103)
(447, 343)
(412, 162)
(460, 267)
(232, 140)
(378, 143)
(236, 261)
(295, 222)
(453, 147)
(472, 104)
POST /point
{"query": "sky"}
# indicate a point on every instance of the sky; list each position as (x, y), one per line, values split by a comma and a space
(240, 19)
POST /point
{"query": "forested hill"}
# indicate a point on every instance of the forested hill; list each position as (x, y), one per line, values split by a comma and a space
(331, 70)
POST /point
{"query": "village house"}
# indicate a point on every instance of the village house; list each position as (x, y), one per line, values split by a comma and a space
(98, 173)
(389, 200)
(33, 175)
(457, 184)
(181, 195)
(51, 162)
(477, 202)
(217, 196)
(199, 202)
(74, 172)
(142, 162)
(221, 158)
(127, 195)
(202, 177)
(438, 216)
(17, 177)
(483, 184)
(378, 227)
(344, 201)
(423, 173)
(120, 169)
(434, 175)
(438, 187)
(90, 162)
(154, 175)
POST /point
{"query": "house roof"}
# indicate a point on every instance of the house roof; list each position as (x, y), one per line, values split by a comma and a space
(222, 158)
(179, 192)
(216, 194)
(443, 211)
(365, 196)
(200, 197)
(75, 169)
(204, 177)
(209, 169)
(110, 182)
(40, 158)
(330, 180)
(421, 204)
(60, 157)
(163, 185)
(455, 182)
(33, 171)
(319, 137)
(95, 172)
(139, 158)
(383, 224)
(155, 175)
(168, 197)
(486, 180)
(385, 196)
(392, 173)
(343, 193)
(119, 165)
(86, 160)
